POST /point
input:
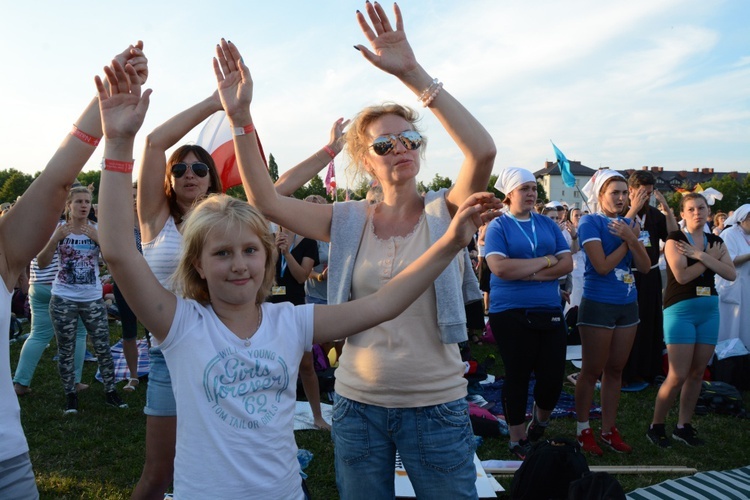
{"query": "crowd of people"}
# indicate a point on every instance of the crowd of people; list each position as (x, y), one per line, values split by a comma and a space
(234, 294)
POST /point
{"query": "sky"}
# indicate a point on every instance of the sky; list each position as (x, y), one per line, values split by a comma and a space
(612, 83)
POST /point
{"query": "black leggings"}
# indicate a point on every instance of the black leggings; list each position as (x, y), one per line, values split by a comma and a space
(127, 316)
(525, 350)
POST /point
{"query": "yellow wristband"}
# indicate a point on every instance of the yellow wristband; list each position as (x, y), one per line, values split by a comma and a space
(549, 262)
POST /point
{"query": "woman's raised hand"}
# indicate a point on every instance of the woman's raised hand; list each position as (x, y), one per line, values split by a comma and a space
(235, 86)
(391, 51)
(337, 135)
(122, 106)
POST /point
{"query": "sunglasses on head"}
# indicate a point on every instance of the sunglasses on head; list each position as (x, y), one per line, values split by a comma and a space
(384, 144)
(198, 168)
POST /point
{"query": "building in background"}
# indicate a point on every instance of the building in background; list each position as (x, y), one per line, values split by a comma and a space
(667, 181)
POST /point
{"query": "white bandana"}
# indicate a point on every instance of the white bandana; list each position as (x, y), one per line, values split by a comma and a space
(510, 178)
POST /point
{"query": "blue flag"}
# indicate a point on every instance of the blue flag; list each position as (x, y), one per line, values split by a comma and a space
(567, 176)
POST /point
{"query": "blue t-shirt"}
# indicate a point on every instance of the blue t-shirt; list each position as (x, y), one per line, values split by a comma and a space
(524, 239)
(618, 286)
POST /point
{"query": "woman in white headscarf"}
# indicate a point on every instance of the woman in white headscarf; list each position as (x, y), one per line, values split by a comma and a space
(608, 314)
(527, 253)
(734, 296)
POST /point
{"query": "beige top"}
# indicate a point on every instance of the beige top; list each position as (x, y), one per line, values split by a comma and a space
(401, 363)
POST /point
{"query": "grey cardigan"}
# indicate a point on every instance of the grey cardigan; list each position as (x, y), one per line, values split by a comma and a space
(452, 290)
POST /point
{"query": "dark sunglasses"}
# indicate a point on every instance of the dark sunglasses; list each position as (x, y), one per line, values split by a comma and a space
(198, 168)
(384, 144)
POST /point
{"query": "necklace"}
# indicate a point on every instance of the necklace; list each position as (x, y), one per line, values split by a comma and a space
(260, 319)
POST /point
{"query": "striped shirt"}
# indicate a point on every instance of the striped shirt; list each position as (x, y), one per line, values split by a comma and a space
(46, 275)
(163, 252)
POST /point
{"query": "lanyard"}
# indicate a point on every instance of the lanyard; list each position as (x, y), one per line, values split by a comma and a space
(283, 259)
(534, 243)
(692, 242)
(642, 221)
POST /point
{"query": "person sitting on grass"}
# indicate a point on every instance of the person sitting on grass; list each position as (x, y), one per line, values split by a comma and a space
(232, 357)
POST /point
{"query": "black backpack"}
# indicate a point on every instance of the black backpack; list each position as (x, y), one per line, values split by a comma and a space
(596, 486)
(721, 398)
(548, 470)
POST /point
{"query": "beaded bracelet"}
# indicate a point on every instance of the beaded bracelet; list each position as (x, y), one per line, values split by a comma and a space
(434, 94)
(84, 137)
(426, 92)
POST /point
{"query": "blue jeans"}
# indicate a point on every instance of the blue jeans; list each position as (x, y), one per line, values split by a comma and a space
(436, 445)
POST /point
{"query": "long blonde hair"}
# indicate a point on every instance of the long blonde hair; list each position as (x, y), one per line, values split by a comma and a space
(217, 212)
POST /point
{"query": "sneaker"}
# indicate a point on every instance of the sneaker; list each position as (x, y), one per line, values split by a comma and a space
(535, 430)
(71, 405)
(687, 435)
(113, 399)
(614, 441)
(658, 436)
(588, 443)
(522, 449)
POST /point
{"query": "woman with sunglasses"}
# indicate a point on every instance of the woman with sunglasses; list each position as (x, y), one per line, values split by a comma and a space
(407, 370)
(167, 190)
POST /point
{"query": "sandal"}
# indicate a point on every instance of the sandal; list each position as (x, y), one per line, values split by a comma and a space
(132, 385)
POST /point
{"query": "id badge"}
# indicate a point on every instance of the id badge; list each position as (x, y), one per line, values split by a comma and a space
(703, 291)
(645, 238)
(278, 290)
(628, 278)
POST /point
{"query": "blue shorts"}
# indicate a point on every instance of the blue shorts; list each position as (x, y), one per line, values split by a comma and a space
(611, 316)
(159, 396)
(692, 321)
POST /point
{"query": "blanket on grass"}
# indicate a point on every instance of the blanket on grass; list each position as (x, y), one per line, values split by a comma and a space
(121, 368)
(566, 406)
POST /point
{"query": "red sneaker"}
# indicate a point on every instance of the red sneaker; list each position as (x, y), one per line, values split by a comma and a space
(614, 441)
(588, 443)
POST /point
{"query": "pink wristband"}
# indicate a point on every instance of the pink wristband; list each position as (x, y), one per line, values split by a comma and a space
(84, 137)
(330, 151)
(124, 167)
(247, 129)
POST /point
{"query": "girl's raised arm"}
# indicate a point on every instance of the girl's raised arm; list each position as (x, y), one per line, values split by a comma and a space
(27, 227)
(392, 53)
(123, 110)
(334, 322)
(236, 92)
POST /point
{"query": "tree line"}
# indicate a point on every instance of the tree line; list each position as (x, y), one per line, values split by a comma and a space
(14, 183)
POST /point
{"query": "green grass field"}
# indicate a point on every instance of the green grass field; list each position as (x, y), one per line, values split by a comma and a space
(99, 453)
